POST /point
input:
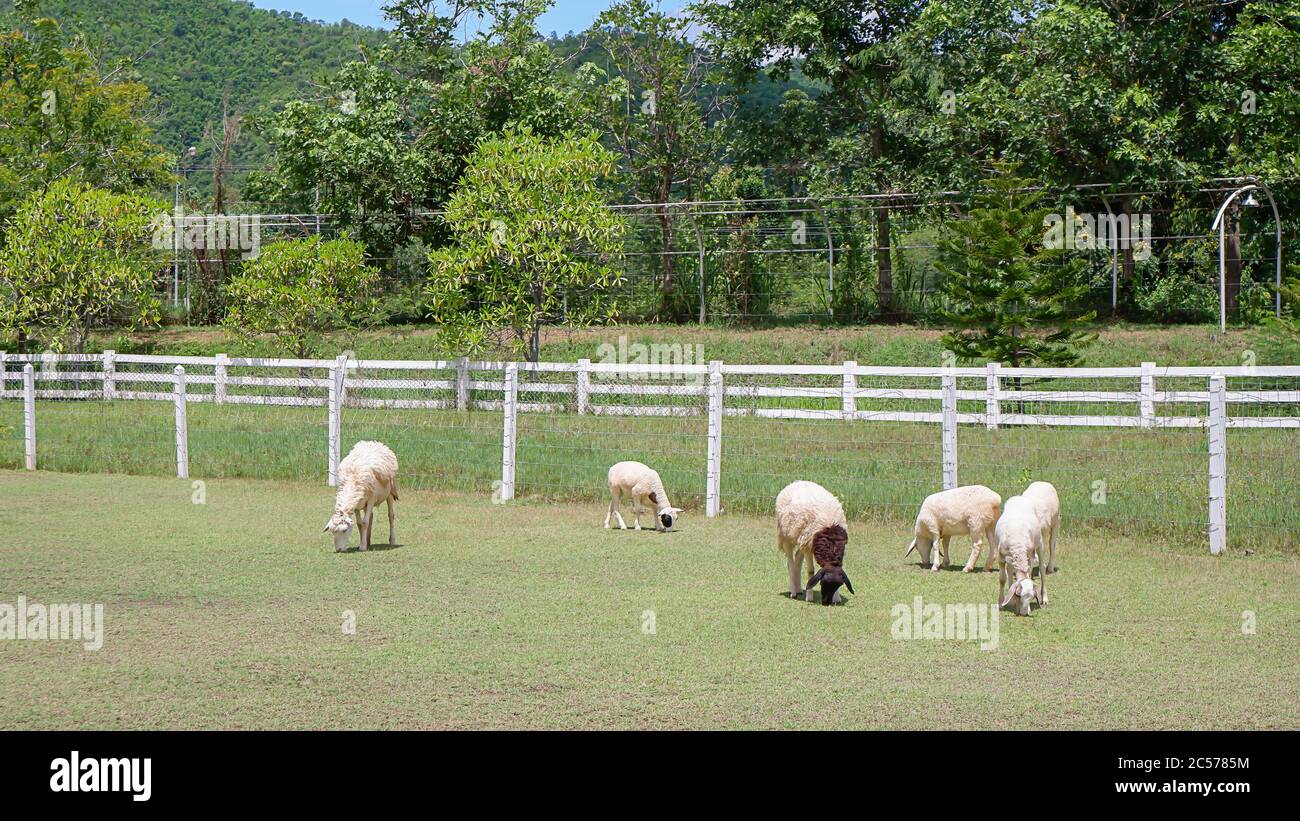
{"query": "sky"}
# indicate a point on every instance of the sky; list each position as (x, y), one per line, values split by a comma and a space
(564, 16)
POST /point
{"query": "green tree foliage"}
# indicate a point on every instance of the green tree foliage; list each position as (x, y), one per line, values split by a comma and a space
(391, 138)
(532, 243)
(300, 289)
(74, 257)
(61, 118)
(650, 110)
(1009, 297)
(192, 54)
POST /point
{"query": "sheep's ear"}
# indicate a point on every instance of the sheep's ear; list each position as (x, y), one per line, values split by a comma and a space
(817, 577)
(910, 548)
(326, 528)
(674, 510)
(1011, 591)
(1038, 593)
(849, 584)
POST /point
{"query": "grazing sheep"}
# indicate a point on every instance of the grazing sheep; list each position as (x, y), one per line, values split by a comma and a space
(646, 489)
(1048, 507)
(367, 477)
(810, 525)
(970, 510)
(1019, 540)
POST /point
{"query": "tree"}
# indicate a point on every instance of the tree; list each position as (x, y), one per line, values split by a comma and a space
(1010, 296)
(651, 111)
(301, 289)
(61, 118)
(75, 256)
(532, 243)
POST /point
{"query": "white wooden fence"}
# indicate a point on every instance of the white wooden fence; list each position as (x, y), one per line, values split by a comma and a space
(992, 397)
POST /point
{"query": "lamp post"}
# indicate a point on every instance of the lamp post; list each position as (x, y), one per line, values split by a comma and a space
(1220, 222)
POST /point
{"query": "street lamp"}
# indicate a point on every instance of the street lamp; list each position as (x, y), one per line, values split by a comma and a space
(1221, 223)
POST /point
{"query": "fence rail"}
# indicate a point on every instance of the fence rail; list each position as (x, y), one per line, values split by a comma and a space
(562, 422)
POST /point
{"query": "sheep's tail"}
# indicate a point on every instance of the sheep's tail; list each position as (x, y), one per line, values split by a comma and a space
(910, 548)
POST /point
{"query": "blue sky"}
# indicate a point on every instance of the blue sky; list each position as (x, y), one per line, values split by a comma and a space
(565, 15)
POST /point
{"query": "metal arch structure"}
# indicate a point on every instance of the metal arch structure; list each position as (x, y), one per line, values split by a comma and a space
(830, 257)
(1221, 223)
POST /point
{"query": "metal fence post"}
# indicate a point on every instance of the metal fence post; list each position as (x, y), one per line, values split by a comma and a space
(1148, 405)
(713, 469)
(220, 374)
(509, 397)
(334, 399)
(584, 385)
(182, 427)
(949, 431)
(849, 392)
(110, 370)
(992, 400)
(29, 415)
(462, 383)
(3, 375)
(1218, 433)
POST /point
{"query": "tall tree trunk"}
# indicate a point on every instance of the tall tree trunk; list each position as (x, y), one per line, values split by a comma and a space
(668, 283)
(1232, 260)
(884, 256)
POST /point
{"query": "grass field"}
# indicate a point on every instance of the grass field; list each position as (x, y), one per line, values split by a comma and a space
(1155, 481)
(229, 614)
(1118, 345)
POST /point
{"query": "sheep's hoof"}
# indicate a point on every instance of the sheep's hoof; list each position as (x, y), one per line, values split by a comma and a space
(809, 596)
(967, 569)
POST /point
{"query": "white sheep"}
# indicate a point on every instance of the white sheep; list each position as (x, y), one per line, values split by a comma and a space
(1019, 540)
(1047, 506)
(969, 510)
(646, 489)
(367, 477)
(810, 525)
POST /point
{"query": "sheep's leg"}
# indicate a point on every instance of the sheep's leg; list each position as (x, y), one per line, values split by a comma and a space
(636, 512)
(613, 508)
(792, 562)
(1051, 550)
(812, 571)
(975, 546)
(367, 520)
(1002, 582)
(392, 517)
(993, 551)
(939, 553)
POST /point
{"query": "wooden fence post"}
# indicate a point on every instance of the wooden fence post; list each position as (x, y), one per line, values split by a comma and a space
(949, 431)
(992, 399)
(509, 397)
(584, 385)
(29, 416)
(849, 392)
(110, 371)
(462, 383)
(713, 469)
(182, 427)
(1218, 433)
(1148, 405)
(221, 373)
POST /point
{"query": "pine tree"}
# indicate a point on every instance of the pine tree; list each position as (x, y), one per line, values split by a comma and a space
(1008, 297)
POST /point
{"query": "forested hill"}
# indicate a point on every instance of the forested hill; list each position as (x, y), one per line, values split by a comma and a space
(191, 52)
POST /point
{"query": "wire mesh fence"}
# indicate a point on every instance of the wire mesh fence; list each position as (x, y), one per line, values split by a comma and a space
(1173, 455)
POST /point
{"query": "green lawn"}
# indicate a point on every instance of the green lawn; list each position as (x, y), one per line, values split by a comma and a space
(1153, 483)
(1118, 345)
(228, 614)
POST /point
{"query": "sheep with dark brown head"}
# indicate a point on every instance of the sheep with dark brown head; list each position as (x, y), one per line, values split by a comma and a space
(810, 526)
